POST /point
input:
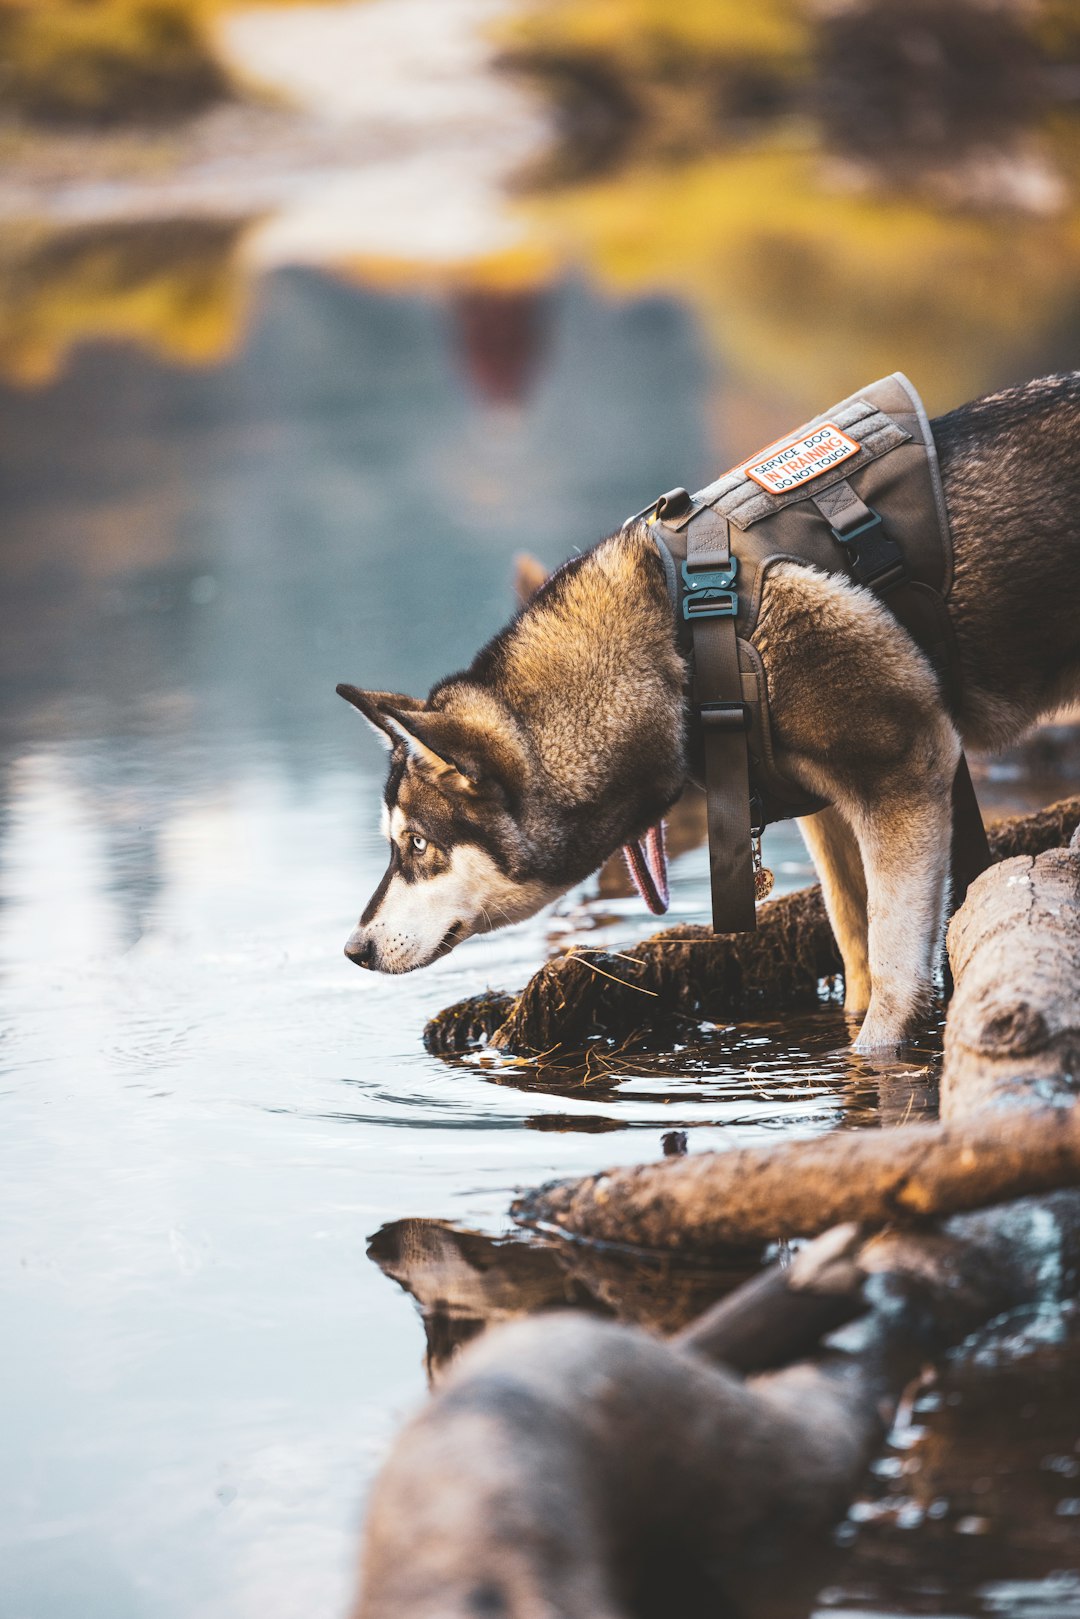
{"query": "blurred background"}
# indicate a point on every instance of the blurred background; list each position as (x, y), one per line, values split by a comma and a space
(312, 316)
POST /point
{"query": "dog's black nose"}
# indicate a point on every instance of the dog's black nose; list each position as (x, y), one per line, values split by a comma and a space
(361, 951)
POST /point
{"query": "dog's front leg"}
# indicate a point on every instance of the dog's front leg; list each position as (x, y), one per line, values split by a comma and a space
(905, 839)
(835, 852)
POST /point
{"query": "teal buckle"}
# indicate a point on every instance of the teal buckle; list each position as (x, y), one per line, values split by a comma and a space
(853, 533)
(709, 592)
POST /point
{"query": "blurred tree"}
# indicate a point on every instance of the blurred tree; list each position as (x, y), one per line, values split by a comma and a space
(841, 187)
(104, 62)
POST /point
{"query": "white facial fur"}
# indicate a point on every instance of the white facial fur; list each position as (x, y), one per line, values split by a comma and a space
(411, 925)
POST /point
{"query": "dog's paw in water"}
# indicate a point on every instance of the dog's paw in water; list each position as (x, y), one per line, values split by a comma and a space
(878, 1037)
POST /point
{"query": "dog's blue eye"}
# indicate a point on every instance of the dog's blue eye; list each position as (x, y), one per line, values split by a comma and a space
(419, 843)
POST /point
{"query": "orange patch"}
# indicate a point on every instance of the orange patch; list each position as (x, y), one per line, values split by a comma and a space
(796, 461)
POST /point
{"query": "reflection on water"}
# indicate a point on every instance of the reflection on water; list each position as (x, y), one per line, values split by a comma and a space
(229, 482)
(465, 1281)
(207, 1111)
(176, 287)
(973, 1507)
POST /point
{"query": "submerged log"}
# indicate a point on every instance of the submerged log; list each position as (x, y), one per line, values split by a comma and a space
(687, 973)
(1013, 1032)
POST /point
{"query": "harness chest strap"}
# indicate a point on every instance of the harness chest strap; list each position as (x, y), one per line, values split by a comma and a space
(723, 718)
(701, 538)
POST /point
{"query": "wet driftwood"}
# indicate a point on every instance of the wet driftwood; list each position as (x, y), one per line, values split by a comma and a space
(1012, 1035)
(710, 1201)
(578, 1467)
(1013, 1032)
(583, 1468)
(686, 974)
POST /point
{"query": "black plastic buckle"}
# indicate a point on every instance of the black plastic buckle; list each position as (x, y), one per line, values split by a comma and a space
(725, 716)
(709, 591)
(877, 562)
(880, 565)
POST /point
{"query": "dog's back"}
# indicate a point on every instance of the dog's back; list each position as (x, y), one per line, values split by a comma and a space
(1011, 471)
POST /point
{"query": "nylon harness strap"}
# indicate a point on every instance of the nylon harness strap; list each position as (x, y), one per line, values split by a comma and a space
(708, 606)
(722, 712)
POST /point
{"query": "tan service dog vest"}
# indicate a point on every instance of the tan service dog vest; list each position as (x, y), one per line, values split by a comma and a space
(855, 491)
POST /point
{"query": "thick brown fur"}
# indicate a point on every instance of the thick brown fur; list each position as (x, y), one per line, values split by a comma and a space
(567, 735)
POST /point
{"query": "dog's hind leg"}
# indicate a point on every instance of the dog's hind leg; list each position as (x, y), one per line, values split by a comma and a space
(834, 850)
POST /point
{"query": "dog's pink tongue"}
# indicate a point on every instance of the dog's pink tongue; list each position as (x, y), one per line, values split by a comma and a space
(647, 861)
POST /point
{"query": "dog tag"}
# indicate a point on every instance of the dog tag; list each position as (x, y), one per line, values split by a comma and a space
(763, 877)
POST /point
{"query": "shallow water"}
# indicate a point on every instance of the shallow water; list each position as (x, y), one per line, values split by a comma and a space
(207, 1112)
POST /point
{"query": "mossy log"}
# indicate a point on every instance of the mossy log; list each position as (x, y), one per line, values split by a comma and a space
(1013, 1035)
(689, 973)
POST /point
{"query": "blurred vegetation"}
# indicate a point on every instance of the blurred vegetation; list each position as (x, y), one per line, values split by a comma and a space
(885, 80)
(171, 285)
(802, 292)
(102, 62)
(652, 75)
(839, 189)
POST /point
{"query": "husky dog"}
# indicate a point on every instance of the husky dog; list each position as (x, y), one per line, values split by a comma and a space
(567, 736)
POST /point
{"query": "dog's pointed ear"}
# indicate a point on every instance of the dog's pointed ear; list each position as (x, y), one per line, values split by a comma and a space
(462, 755)
(377, 707)
(529, 574)
(446, 747)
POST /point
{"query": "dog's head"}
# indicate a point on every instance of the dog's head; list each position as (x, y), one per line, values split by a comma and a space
(457, 797)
